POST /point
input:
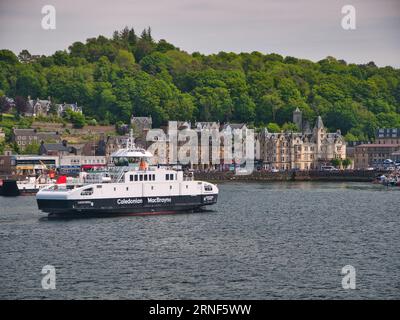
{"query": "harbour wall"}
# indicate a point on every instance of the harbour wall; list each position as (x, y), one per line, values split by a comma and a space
(329, 176)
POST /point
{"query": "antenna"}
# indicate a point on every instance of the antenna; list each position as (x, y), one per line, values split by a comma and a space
(130, 145)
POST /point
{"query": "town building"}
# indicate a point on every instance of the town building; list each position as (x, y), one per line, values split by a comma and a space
(73, 164)
(7, 165)
(307, 150)
(56, 149)
(387, 136)
(373, 155)
(63, 107)
(24, 137)
(37, 107)
(35, 164)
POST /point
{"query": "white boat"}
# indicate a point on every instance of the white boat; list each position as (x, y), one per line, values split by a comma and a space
(31, 185)
(130, 186)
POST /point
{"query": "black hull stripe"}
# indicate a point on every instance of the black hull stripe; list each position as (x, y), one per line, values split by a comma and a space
(127, 205)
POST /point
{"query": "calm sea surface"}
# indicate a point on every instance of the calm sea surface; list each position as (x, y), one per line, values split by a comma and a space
(261, 241)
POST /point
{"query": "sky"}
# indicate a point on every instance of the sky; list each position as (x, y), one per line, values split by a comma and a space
(309, 29)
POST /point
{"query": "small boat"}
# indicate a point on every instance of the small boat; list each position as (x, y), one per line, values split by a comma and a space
(31, 185)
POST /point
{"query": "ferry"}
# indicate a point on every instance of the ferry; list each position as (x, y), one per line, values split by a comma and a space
(129, 186)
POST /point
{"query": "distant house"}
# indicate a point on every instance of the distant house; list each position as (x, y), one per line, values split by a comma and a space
(37, 107)
(141, 125)
(62, 108)
(230, 127)
(204, 125)
(24, 137)
(56, 149)
(387, 136)
(10, 103)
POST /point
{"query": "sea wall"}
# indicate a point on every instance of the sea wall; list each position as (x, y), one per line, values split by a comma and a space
(353, 175)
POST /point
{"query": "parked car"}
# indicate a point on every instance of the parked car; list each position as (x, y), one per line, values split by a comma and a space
(329, 168)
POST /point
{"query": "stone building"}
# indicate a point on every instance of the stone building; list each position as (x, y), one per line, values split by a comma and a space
(24, 137)
(387, 136)
(373, 155)
(37, 107)
(306, 150)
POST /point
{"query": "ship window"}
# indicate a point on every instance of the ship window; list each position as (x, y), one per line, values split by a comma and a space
(152, 187)
(145, 177)
(87, 192)
(131, 178)
(150, 177)
(115, 189)
(141, 177)
(136, 177)
(167, 177)
(154, 177)
(171, 177)
(187, 186)
(170, 187)
(127, 188)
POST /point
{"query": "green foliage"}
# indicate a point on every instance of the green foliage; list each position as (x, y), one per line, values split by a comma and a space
(273, 127)
(336, 162)
(113, 78)
(76, 118)
(290, 127)
(346, 163)
(32, 148)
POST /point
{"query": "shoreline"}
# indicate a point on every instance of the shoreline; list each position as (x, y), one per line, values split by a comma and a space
(295, 176)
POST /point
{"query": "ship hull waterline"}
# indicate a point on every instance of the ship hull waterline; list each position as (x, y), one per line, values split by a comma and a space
(126, 206)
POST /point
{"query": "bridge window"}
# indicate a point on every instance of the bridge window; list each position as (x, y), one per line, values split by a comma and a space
(87, 192)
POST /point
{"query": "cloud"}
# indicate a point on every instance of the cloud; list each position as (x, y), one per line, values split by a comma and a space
(307, 29)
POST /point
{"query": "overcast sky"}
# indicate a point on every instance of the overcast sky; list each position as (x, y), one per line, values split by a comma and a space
(308, 29)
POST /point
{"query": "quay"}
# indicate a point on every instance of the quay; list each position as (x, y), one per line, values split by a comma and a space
(313, 175)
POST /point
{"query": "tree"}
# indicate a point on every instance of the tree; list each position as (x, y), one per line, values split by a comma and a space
(125, 60)
(77, 119)
(21, 105)
(346, 163)
(336, 162)
(31, 148)
(290, 127)
(273, 127)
